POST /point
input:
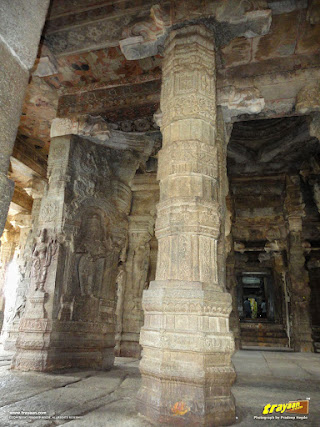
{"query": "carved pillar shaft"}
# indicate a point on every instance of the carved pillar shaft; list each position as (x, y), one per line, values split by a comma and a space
(186, 365)
(9, 243)
(36, 189)
(299, 278)
(69, 319)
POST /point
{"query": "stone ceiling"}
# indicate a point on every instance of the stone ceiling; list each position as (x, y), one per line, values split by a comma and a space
(270, 146)
(266, 51)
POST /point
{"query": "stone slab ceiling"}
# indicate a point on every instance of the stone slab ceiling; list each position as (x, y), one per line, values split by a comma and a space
(270, 146)
(269, 47)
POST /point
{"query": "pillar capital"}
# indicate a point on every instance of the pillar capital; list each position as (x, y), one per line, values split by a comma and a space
(85, 125)
(36, 188)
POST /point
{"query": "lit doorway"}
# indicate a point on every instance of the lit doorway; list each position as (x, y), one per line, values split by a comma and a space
(256, 297)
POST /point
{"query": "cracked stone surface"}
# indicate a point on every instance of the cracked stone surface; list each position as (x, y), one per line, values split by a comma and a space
(108, 398)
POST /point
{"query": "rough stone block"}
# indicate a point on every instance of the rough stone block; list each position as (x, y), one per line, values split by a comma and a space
(13, 81)
(21, 25)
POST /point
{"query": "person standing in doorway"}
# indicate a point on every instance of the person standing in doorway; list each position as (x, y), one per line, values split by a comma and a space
(247, 308)
(263, 309)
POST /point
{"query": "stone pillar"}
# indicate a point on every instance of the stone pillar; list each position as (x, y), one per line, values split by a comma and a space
(145, 195)
(69, 320)
(35, 189)
(186, 365)
(9, 243)
(299, 278)
(231, 280)
(20, 28)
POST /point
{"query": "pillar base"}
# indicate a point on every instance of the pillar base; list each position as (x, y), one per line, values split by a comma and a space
(130, 349)
(177, 401)
(303, 344)
(10, 336)
(186, 366)
(64, 345)
(301, 331)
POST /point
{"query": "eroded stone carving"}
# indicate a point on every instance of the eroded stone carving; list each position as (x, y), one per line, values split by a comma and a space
(145, 37)
(42, 255)
(92, 127)
(121, 281)
(308, 98)
(240, 101)
(92, 249)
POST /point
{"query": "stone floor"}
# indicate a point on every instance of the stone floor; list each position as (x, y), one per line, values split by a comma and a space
(100, 399)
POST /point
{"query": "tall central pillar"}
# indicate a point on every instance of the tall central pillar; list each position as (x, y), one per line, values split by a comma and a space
(187, 346)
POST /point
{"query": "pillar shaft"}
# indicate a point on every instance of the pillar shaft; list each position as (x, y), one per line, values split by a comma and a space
(186, 366)
(299, 278)
(36, 189)
(20, 30)
(69, 320)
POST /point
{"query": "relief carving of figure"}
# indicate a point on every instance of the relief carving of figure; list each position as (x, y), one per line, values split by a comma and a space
(42, 254)
(121, 280)
(19, 309)
(94, 244)
(140, 268)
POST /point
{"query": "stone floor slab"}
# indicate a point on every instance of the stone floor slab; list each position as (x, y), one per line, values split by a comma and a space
(108, 398)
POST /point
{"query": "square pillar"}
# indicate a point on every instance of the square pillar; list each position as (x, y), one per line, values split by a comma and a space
(299, 277)
(186, 364)
(20, 28)
(69, 320)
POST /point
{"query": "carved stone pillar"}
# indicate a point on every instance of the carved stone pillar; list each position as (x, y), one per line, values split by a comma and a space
(226, 244)
(36, 189)
(231, 274)
(20, 30)
(187, 346)
(69, 319)
(299, 278)
(9, 243)
(145, 195)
